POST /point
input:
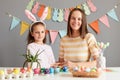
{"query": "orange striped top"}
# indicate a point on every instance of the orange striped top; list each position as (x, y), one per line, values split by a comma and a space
(78, 49)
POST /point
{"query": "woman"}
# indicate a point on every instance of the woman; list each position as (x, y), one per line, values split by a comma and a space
(78, 46)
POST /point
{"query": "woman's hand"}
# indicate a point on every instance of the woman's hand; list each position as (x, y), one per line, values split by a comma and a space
(85, 64)
(70, 64)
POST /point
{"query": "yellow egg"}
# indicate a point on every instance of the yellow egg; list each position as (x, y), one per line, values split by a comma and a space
(1, 72)
(93, 70)
(16, 71)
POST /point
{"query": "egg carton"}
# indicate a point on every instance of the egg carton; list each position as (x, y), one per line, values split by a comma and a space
(15, 76)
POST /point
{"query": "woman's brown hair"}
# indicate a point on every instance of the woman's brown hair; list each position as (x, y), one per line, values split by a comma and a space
(83, 29)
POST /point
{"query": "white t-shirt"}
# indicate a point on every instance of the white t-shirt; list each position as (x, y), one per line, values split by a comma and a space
(46, 57)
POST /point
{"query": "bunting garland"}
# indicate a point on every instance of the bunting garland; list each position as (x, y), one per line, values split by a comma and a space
(59, 15)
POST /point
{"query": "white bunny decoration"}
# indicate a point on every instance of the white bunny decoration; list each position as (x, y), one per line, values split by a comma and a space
(30, 15)
(33, 18)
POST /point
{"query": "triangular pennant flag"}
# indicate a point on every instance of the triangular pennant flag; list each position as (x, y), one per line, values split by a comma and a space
(24, 27)
(15, 22)
(94, 25)
(113, 15)
(104, 20)
(62, 33)
(53, 35)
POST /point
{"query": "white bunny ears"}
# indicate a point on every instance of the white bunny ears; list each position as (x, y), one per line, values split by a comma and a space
(33, 18)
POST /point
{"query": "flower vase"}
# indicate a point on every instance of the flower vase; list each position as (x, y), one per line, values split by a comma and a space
(101, 61)
(32, 65)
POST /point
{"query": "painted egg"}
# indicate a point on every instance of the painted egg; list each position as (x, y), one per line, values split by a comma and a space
(16, 71)
(93, 70)
(47, 71)
(65, 69)
(57, 69)
(51, 70)
(87, 70)
(1, 72)
(36, 70)
(75, 68)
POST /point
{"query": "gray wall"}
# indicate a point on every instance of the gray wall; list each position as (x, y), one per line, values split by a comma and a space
(12, 45)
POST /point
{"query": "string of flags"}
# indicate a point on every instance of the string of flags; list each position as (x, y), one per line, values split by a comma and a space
(60, 15)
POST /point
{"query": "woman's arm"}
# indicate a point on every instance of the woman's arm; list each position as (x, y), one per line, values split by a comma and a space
(85, 64)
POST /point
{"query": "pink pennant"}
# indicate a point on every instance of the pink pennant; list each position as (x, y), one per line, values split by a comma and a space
(91, 5)
(104, 20)
(30, 15)
(53, 35)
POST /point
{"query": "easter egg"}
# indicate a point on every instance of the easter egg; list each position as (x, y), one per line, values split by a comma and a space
(36, 70)
(16, 71)
(51, 70)
(57, 69)
(29, 69)
(47, 71)
(1, 72)
(22, 70)
(93, 70)
(42, 70)
(9, 71)
(65, 69)
(75, 68)
(87, 70)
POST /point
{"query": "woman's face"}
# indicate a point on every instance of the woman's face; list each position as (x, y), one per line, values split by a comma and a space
(76, 20)
(38, 33)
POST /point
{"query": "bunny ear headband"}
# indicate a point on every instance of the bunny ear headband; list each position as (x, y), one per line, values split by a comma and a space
(33, 18)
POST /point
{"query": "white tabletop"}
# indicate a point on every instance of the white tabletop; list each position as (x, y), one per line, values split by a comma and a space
(110, 75)
(113, 75)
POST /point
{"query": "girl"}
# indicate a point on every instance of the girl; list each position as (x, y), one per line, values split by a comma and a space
(78, 46)
(36, 42)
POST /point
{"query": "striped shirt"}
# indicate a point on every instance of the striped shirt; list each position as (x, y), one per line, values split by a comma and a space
(78, 49)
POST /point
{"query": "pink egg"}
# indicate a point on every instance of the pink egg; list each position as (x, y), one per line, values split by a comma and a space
(36, 70)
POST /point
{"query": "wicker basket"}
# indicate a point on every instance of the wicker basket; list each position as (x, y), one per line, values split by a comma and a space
(85, 74)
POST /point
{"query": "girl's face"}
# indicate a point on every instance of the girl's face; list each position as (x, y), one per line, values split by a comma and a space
(38, 33)
(76, 20)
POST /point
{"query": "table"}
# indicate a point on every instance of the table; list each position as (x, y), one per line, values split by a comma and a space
(111, 75)
(114, 74)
